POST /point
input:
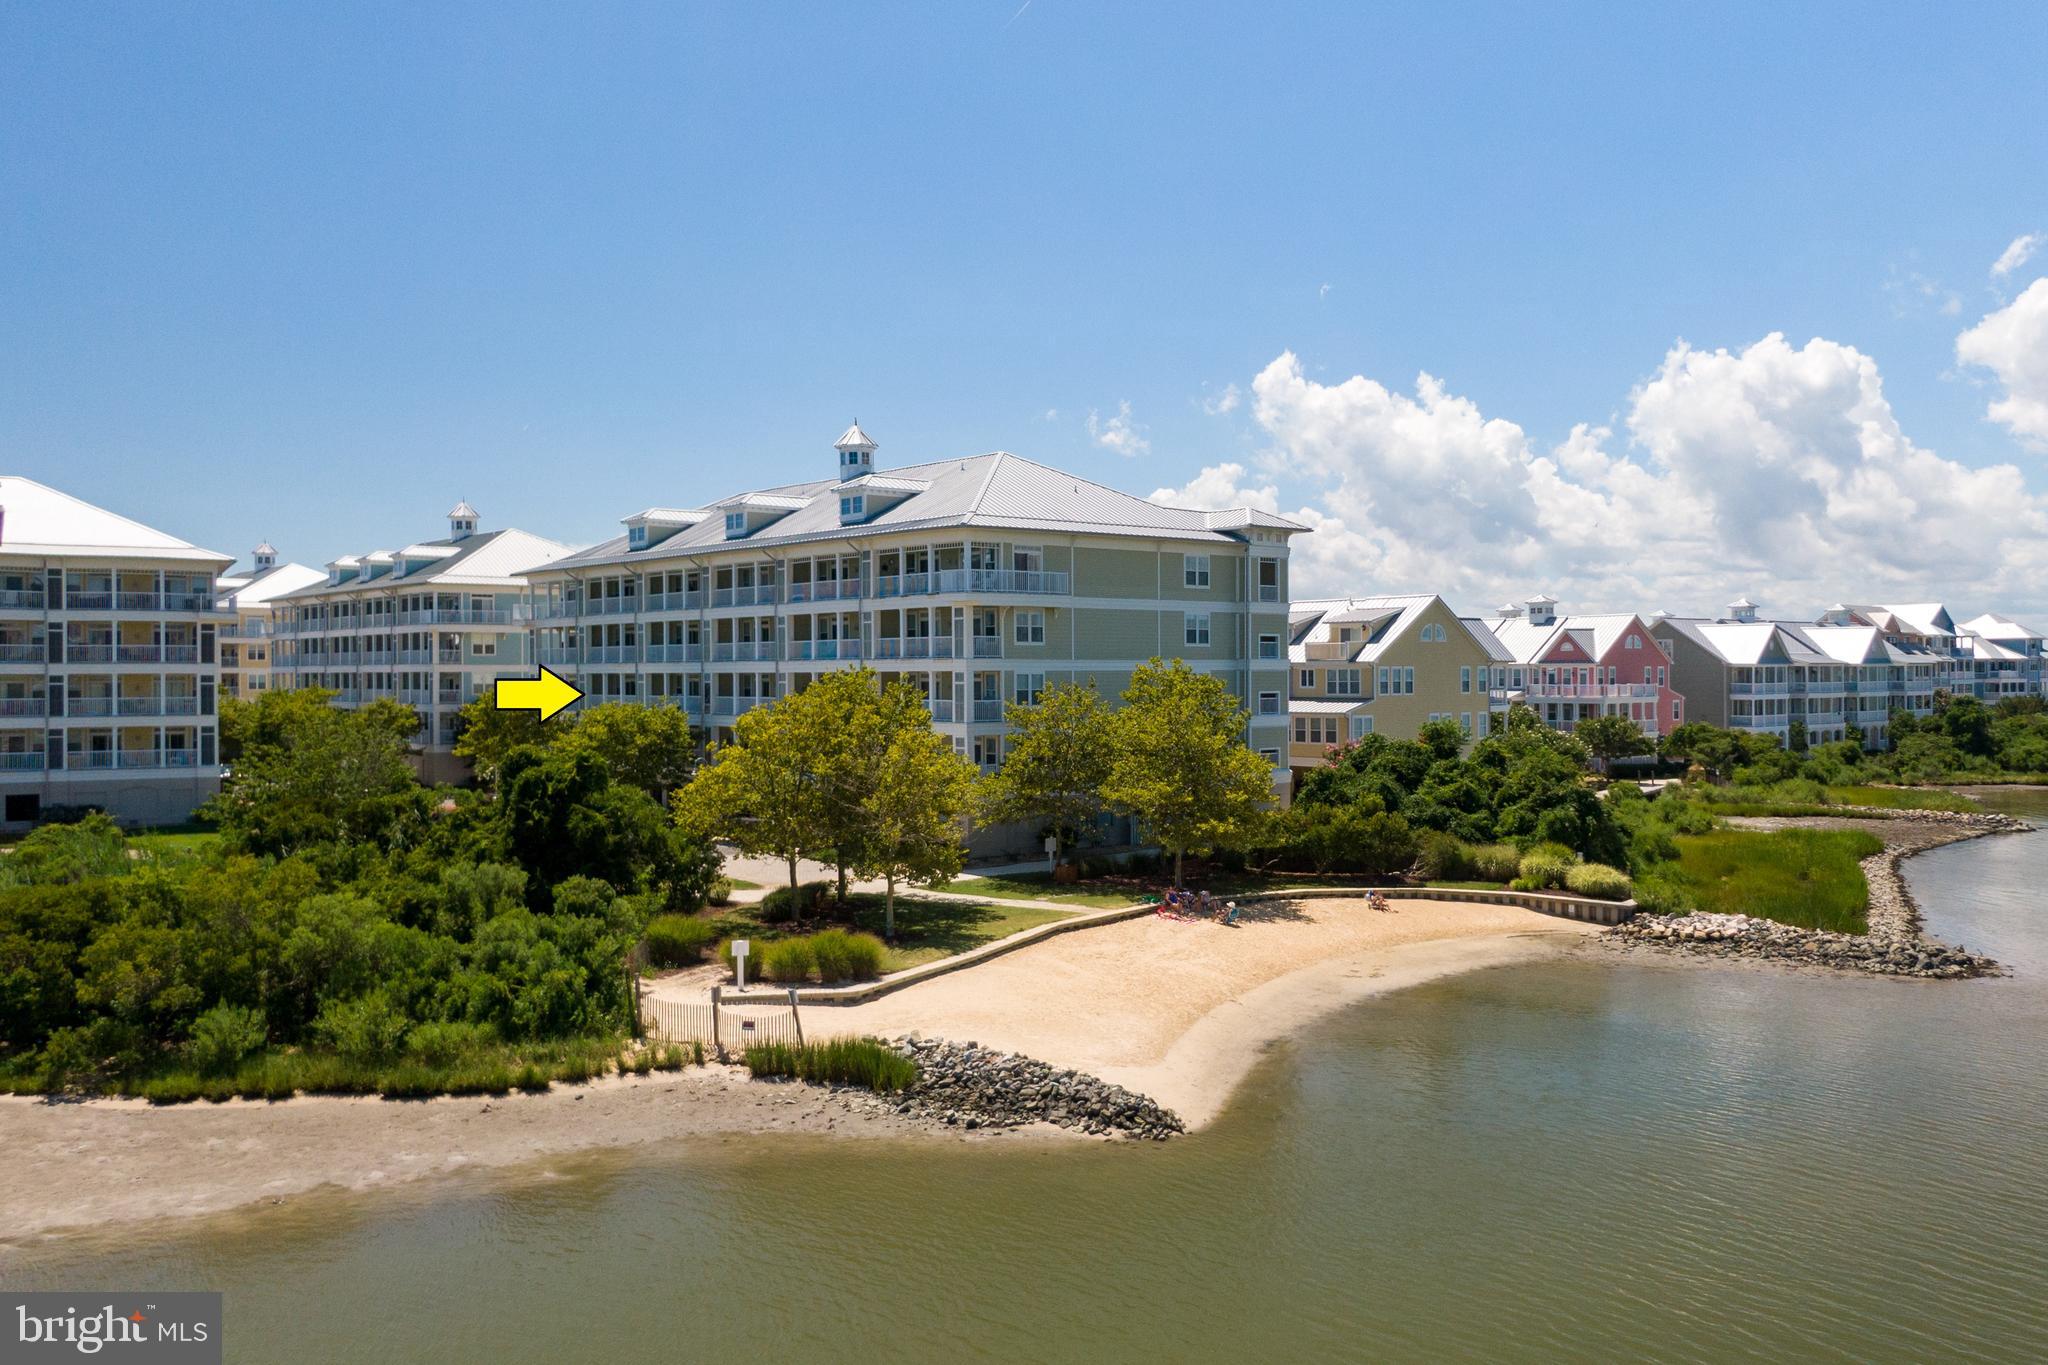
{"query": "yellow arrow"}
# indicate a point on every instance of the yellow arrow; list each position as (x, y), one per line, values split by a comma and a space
(547, 694)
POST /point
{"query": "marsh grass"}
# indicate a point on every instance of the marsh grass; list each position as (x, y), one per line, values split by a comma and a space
(839, 1061)
(1808, 878)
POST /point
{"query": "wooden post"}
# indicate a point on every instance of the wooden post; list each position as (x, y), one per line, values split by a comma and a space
(716, 1045)
(797, 1017)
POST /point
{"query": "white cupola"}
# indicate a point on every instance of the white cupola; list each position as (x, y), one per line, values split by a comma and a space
(461, 521)
(856, 453)
(1542, 610)
(264, 557)
(1742, 609)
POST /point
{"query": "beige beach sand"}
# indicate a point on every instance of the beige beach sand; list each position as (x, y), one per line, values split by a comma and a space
(1181, 1010)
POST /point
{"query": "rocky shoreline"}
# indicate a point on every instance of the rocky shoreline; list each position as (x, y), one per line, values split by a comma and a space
(974, 1087)
(1896, 944)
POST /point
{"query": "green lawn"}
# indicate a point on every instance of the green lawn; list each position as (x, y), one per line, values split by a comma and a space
(159, 842)
(1804, 877)
(1902, 798)
(1039, 886)
(925, 929)
(741, 884)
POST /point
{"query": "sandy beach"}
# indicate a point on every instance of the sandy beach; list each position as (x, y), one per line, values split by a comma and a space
(1178, 1011)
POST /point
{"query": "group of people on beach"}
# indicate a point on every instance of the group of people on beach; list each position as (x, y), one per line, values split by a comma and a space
(1178, 904)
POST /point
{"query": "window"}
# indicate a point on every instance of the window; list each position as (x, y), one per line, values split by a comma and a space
(636, 537)
(1030, 627)
(1195, 628)
(852, 507)
(1408, 682)
(485, 648)
(1344, 682)
(1465, 679)
(1649, 674)
(1433, 634)
(1660, 676)
(1674, 710)
(1635, 642)
(1269, 703)
(1029, 688)
(1194, 570)
(1025, 559)
(1269, 580)
(735, 524)
(1308, 679)
(1269, 646)
(1465, 721)
(1272, 756)
(1315, 729)
(1361, 726)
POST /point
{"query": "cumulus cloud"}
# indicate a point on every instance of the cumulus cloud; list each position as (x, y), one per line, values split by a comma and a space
(2012, 343)
(1220, 486)
(1773, 470)
(1219, 403)
(2017, 254)
(1118, 433)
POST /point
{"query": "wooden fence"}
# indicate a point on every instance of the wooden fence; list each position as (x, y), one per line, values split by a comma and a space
(726, 1027)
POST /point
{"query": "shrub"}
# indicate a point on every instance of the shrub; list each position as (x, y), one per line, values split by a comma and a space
(1544, 868)
(1597, 880)
(366, 1029)
(786, 903)
(441, 1045)
(1443, 857)
(841, 956)
(223, 1036)
(787, 959)
(1495, 862)
(719, 893)
(841, 1061)
(678, 940)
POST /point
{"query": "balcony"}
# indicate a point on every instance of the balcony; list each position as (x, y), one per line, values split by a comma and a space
(158, 706)
(988, 646)
(191, 601)
(415, 656)
(674, 654)
(942, 710)
(23, 706)
(822, 590)
(674, 601)
(1592, 691)
(139, 654)
(22, 761)
(448, 656)
(464, 616)
(824, 649)
(988, 709)
(1033, 582)
(17, 599)
(138, 601)
(612, 654)
(21, 653)
(89, 654)
(88, 601)
(416, 696)
(612, 606)
(155, 758)
(1760, 689)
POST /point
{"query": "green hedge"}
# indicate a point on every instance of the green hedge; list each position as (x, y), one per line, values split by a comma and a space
(678, 940)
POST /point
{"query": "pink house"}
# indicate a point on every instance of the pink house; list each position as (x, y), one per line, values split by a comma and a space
(1572, 667)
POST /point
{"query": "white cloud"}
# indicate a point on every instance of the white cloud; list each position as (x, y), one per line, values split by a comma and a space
(1218, 404)
(2012, 343)
(1119, 433)
(1052, 415)
(2016, 254)
(1775, 470)
(1218, 487)
(1912, 291)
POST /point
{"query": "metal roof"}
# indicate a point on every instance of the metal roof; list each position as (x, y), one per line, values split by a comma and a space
(36, 519)
(486, 559)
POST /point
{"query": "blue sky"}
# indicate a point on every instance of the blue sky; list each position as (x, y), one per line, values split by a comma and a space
(313, 273)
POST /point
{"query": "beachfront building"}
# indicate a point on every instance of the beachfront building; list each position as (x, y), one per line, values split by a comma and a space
(245, 634)
(1386, 665)
(1836, 677)
(979, 580)
(1570, 668)
(2013, 667)
(108, 662)
(430, 625)
(2004, 660)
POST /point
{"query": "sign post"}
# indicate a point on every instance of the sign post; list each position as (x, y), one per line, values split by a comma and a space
(739, 960)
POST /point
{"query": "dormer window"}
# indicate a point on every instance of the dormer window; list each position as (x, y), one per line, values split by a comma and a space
(636, 537)
(735, 524)
(853, 507)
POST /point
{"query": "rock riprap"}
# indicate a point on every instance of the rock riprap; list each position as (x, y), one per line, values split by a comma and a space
(971, 1086)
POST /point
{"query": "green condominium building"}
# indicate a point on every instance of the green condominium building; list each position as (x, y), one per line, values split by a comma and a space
(979, 580)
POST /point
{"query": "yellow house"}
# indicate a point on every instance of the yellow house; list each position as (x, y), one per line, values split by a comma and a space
(1386, 665)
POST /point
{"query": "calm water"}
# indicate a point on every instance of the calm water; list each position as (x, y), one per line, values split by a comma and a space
(1558, 1162)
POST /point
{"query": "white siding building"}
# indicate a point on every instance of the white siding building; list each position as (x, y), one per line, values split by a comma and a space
(108, 662)
(245, 637)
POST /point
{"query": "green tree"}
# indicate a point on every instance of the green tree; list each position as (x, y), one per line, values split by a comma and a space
(309, 773)
(764, 792)
(1059, 758)
(649, 747)
(485, 735)
(1181, 764)
(1609, 737)
(915, 800)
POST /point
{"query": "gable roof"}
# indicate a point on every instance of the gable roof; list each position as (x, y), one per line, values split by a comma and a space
(1595, 635)
(258, 589)
(1992, 626)
(36, 519)
(997, 491)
